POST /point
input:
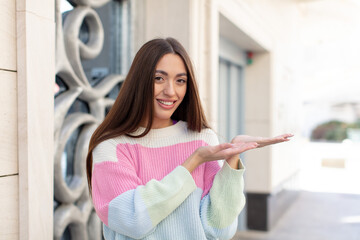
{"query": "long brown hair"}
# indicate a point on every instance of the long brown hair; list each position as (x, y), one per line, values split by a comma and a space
(135, 100)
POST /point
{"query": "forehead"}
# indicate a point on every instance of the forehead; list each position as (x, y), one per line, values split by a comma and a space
(171, 63)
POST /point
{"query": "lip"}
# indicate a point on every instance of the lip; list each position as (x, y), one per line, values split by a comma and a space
(166, 106)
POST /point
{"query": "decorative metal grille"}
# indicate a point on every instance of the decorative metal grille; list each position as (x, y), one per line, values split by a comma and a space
(81, 103)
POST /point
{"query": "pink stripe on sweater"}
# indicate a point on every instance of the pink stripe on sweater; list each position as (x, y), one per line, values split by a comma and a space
(138, 164)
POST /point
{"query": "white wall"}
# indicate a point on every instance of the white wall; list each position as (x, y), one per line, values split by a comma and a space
(9, 178)
(269, 28)
(27, 40)
(281, 19)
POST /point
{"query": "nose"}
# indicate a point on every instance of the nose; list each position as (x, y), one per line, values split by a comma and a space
(169, 89)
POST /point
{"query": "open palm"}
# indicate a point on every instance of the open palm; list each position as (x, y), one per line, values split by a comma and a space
(223, 151)
(261, 141)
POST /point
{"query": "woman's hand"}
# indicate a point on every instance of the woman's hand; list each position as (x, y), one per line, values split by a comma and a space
(223, 151)
(218, 152)
(261, 141)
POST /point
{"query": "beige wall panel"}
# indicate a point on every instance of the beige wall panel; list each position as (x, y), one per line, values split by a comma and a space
(168, 19)
(258, 161)
(244, 18)
(41, 8)
(258, 88)
(258, 166)
(7, 35)
(9, 208)
(8, 123)
(138, 9)
(285, 161)
(36, 64)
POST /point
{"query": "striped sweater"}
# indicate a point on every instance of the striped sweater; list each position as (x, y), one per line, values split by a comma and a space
(141, 191)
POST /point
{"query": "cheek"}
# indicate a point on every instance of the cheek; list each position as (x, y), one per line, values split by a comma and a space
(183, 92)
(157, 90)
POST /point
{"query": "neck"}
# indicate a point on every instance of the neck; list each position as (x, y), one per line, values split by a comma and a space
(158, 123)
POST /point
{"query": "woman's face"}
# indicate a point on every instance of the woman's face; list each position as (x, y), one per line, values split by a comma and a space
(170, 88)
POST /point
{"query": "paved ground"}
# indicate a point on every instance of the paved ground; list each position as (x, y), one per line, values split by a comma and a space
(315, 216)
(328, 206)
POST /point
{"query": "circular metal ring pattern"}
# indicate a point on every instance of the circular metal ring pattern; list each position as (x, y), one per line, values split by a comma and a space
(74, 216)
(69, 216)
(79, 219)
(64, 192)
(94, 226)
(74, 47)
(91, 3)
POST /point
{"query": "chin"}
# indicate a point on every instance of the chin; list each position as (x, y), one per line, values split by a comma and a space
(163, 117)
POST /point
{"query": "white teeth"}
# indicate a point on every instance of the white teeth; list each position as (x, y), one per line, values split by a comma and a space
(166, 103)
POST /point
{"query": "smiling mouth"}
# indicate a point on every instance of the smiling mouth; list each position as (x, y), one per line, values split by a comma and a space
(167, 103)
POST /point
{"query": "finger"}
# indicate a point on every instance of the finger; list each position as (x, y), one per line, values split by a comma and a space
(220, 147)
(239, 149)
(242, 144)
(286, 136)
(283, 136)
(285, 139)
(248, 146)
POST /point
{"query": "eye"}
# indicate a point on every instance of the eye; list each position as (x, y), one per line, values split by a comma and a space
(181, 80)
(159, 79)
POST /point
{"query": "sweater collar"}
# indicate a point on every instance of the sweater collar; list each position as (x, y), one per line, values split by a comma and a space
(173, 130)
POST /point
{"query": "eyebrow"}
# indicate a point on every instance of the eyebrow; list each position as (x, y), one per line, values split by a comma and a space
(166, 74)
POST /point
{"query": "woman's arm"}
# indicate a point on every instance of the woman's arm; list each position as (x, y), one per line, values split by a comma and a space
(220, 208)
(123, 203)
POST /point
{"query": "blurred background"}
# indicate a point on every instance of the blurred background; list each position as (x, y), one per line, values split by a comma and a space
(263, 68)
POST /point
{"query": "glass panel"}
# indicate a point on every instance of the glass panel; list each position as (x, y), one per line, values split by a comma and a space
(65, 6)
(230, 100)
(60, 86)
(79, 106)
(114, 92)
(84, 34)
(223, 78)
(68, 156)
(236, 100)
(67, 234)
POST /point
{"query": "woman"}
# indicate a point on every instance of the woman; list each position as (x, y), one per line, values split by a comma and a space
(152, 164)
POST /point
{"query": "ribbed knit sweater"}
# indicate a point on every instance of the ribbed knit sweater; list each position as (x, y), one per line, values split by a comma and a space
(141, 191)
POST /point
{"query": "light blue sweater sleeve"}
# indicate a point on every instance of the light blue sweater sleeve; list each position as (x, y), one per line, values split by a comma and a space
(220, 208)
